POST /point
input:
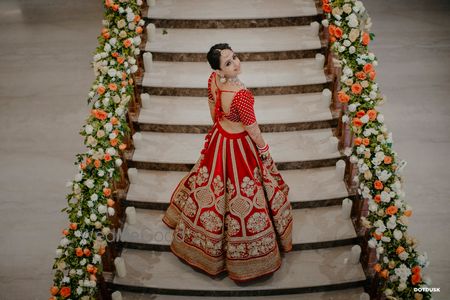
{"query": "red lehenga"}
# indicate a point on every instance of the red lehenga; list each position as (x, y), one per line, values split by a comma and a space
(231, 212)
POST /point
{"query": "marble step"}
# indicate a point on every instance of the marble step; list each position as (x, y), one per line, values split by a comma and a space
(314, 187)
(231, 14)
(274, 113)
(318, 227)
(252, 44)
(262, 77)
(346, 294)
(305, 271)
(180, 151)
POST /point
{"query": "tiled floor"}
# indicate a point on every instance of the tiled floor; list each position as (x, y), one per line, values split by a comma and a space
(46, 48)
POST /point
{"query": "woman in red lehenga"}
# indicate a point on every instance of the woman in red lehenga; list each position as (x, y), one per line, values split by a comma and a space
(231, 211)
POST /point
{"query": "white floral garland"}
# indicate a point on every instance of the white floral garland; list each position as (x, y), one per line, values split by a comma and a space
(399, 263)
(78, 256)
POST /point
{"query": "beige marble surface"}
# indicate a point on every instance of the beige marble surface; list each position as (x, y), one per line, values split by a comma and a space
(254, 73)
(273, 109)
(311, 225)
(306, 268)
(230, 9)
(348, 294)
(289, 146)
(285, 38)
(157, 186)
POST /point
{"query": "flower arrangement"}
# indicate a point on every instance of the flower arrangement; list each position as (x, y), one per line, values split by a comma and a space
(399, 263)
(90, 202)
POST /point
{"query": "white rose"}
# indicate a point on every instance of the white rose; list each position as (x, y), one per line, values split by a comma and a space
(111, 151)
(133, 69)
(112, 135)
(121, 23)
(88, 129)
(113, 41)
(89, 183)
(119, 111)
(105, 101)
(108, 127)
(118, 162)
(137, 40)
(123, 34)
(78, 177)
(101, 173)
(130, 17)
(111, 211)
(112, 72)
(102, 209)
(107, 48)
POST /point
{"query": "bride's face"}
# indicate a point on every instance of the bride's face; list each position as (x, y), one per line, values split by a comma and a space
(230, 65)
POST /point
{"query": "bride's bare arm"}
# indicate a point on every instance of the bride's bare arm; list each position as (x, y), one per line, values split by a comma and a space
(255, 134)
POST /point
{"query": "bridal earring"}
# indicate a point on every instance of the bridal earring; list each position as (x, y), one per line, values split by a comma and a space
(222, 78)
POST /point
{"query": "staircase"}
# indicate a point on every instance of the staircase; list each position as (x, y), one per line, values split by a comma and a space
(277, 47)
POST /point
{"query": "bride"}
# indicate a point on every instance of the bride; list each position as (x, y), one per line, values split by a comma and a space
(231, 212)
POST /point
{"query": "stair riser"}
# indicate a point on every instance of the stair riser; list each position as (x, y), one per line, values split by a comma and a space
(243, 293)
(232, 23)
(244, 56)
(257, 91)
(280, 165)
(333, 123)
(295, 205)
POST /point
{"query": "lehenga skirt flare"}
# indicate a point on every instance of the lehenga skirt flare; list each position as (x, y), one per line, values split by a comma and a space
(231, 212)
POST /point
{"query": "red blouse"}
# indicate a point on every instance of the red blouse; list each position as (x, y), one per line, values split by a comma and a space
(241, 108)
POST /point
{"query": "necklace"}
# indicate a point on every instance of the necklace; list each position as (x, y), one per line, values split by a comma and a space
(235, 81)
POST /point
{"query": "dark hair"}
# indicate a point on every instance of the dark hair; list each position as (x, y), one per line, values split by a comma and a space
(213, 55)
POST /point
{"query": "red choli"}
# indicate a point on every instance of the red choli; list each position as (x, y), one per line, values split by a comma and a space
(241, 108)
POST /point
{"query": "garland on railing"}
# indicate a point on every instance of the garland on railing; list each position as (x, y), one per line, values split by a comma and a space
(399, 263)
(78, 260)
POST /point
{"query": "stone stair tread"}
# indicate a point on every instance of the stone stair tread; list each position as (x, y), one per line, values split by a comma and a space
(269, 73)
(262, 39)
(231, 9)
(273, 109)
(288, 146)
(347, 294)
(300, 269)
(311, 225)
(157, 186)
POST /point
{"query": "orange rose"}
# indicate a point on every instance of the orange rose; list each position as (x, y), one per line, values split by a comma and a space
(139, 30)
(378, 185)
(130, 81)
(112, 86)
(113, 142)
(101, 90)
(360, 113)
(332, 39)
(65, 232)
(338, 32)
(114, 121)
(108, 3)
(377, 198)
(54, 290)
(115, 54)
(357, 141)
(120, 60)
(365, 38)
(343, 97)
(65, 292)
(366, 141)
(377, 236)
(99, 114)
(116, 131)
(377, 267)
(368, 68)
(82, 166)
(391, 210)
(357, 122)
(416, 278)
(107, 192)
(101, 250)
(127, 43)
(73, 226)
(415, 269)
(361, 75)
(90, 268)
(79, 252)
(325, 1)
(110, 202)
(331, 29)
(87, 252)
(124, 83)
(88, 160)
(356, 88)
(115, 7)
(107, 157)
(137, 18)
(122, 146)
(97, 163)
(384, 273)
(387, 160)
(407, 213)
(92, 277)
(399, 249)
(372, 114)
(326, 8)
(106, 35)
(372, 75)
